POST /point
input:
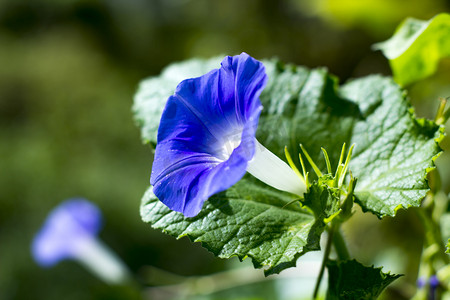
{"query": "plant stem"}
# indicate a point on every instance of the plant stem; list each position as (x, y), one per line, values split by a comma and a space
(326, 254)
(340, 246)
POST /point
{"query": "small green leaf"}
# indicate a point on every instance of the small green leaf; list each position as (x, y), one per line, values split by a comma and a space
(322, 199)
(416, 47)
(247, 220)
(349, 280)
(448, 247)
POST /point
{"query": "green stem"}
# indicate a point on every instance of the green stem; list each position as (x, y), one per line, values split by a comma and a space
(326, 254)
(336, 239)
(340, 246)
(433, 256)
(433, 238)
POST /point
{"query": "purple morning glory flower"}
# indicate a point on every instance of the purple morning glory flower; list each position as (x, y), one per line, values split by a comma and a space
(67, 227)
(206, 137)
(70, 232)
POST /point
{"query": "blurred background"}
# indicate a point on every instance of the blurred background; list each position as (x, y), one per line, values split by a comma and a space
(68, 72)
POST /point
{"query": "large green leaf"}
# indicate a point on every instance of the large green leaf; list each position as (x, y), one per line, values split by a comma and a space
(416, 47)
(247, 220)
(349, 280)
(394, 150)
(301, 106)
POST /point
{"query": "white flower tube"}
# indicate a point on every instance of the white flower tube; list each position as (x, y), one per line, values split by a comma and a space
(273, 171)
(100, 260)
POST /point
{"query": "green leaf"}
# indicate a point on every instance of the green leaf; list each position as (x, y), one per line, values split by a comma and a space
(416, 47)
(393, 150)
(448, 247)
(247, 220)
(304, 107)
(351, 280)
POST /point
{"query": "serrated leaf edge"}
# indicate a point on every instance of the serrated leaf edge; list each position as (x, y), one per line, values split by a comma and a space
(439, 136)
(268, 269)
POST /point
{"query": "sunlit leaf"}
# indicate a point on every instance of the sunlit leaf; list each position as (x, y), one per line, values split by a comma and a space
(393, 150)
(416, 48)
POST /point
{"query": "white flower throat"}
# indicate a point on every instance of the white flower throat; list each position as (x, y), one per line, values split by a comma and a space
(231, 143)
(266, 166)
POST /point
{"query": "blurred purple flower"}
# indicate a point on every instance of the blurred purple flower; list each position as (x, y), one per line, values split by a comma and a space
(70, 232)
(421, 281)
(67, 228)
(434, 282)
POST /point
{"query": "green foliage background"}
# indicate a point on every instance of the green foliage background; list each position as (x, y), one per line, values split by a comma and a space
(68, 72)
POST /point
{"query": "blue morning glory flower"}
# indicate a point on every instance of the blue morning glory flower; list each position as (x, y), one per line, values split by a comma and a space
(206, 138)
(66, 228)
(70, 232)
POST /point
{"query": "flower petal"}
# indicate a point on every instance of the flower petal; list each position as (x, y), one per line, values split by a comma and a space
(191, 162)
